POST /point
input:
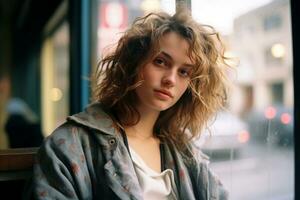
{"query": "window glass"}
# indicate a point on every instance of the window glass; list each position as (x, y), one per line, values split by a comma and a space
(55, 79)
(33, 75)
(251, 144)
(116, 16)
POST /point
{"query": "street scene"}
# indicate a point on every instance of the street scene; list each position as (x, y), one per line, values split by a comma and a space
(251, 143)
(260, 172)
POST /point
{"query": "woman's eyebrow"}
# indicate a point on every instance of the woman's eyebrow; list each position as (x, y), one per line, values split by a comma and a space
(171, 58)
(188, 65)
(167, 55)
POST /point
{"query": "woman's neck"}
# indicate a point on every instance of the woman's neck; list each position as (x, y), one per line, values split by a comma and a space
(144, 129)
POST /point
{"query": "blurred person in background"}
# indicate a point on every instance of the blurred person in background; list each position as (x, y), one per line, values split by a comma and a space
(153, 94)
(22, 125)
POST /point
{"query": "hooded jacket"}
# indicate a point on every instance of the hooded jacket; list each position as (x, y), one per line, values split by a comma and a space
(87, 158)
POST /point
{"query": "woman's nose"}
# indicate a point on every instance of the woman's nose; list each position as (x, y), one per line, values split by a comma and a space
(169, 78)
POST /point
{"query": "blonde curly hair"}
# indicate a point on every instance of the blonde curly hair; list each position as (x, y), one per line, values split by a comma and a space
(116, 76)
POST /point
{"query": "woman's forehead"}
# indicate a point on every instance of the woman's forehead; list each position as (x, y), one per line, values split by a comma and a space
(174, 46)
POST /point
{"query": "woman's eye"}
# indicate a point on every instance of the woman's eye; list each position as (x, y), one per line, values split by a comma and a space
(159, 61)
(184, 73)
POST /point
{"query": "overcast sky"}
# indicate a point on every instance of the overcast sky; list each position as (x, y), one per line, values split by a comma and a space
(221, 13)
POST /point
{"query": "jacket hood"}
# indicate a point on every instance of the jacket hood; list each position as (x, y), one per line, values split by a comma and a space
(95, 117)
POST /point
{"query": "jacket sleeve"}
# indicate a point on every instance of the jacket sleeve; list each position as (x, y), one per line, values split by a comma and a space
(60, 171)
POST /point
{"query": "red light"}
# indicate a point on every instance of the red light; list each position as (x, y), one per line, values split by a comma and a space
(113, 15)
(270, 112)
(285, 118)
(243, 136)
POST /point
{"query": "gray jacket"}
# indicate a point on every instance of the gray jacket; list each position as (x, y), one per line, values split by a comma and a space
(87, 158)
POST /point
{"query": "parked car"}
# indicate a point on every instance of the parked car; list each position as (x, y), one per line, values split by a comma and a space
(272, 125)
(227, 133)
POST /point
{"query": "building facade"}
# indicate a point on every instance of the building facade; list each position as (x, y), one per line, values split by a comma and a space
(262, 42)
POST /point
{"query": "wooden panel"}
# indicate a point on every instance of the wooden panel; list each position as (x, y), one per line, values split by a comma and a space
(15, 170)
(17, 159)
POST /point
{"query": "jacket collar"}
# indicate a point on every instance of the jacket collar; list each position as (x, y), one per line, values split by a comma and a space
(95, 117)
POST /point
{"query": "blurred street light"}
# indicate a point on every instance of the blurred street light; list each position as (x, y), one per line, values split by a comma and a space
(56, 94)
(278, 50)
(270, 112)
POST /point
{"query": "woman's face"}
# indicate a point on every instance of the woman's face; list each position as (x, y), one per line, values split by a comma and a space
(166, 76)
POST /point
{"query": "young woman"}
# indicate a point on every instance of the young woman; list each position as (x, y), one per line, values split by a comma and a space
(154, 93)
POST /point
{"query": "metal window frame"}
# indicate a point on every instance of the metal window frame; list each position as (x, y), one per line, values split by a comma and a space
(82, 28)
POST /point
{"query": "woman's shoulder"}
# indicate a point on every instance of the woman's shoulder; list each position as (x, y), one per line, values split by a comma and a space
(66, 130)
(92, 117)
(63, 136)
(79, 127)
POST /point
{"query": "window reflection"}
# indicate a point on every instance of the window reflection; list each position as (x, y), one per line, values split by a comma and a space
(116, 16)
(55, 79)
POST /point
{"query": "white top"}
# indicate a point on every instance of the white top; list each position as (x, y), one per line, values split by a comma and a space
(158, 186)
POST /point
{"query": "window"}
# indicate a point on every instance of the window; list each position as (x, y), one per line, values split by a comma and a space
(271, 22)
(277, 93)
(55, 79)
(116, 16)
(273, 56)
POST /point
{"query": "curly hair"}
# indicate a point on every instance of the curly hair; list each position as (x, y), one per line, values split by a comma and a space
(116, 75)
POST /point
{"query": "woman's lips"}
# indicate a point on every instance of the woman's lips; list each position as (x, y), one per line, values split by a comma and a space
(163, 94)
